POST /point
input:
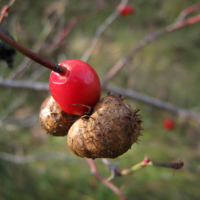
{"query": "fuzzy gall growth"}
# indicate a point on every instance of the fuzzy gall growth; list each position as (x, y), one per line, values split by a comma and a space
(108, 133)
(53, 119)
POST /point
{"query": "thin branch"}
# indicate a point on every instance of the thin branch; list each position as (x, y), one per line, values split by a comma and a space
(13, 124)
(175, 166)
(13, 106)
(33, 56)
(140, 165)
(149, 38)
(104, 181)
(146, 162)
(187, 11)
(59, 39)
(33, 158)
(154, 102)
(49, 25)
(35, 86)
(100, 30)
(99, 4)
(4, 11)
(41, 86)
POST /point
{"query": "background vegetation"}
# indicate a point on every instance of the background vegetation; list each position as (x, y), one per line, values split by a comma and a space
(167, 69)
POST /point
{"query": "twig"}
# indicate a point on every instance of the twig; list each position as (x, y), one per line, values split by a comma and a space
(13, 124)
(36, 47)
(140, 165)
(33, 158)
(104, 181)
(112, 167)
(41, 86)
(13, 106)
(33, 56)
(4, 11)
(49, 25)
(175, 166)
(35, 86)
(149, 38)
(187, 11)
(59, 39)
(146, 162)
(100, 30)
(99, 4)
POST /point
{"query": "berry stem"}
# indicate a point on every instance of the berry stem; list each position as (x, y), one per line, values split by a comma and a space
(107, 183)
(30, 54)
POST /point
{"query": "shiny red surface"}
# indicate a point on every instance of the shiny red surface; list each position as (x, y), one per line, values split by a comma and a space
(79, 85)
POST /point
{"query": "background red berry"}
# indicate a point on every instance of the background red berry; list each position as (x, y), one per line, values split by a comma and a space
(168, 124)
(127, 10)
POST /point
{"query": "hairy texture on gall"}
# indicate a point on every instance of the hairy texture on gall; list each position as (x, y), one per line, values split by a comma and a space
(108, 133)
(53, 119)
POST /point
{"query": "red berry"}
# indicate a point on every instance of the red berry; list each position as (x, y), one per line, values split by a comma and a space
(168, 124)
(127, 10)
(79, 85)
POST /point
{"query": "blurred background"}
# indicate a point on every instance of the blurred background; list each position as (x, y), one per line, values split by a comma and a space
(34, 165)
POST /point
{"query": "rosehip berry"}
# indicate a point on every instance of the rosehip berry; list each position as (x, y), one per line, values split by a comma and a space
(168, 124)
(127, 10)
(79, 84)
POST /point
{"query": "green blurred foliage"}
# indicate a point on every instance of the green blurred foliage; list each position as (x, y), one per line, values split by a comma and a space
(167, 69)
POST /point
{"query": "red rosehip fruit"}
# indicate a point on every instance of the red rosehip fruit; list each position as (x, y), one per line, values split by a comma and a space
(127, 10)
(79, 84)
(168, 124)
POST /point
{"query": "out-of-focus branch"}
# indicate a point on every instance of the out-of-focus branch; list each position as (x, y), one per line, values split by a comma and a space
(48, 27)
(13, 124)
(40, 86)
(149, 38)
(33, 56)
(100, 30)
(154, 102)
(127, 171)
(13, 106)
(33, 158)
(187, 11)
(4, 11)
(99, 4)
(59, 39)
(104, 181)
(35, 86)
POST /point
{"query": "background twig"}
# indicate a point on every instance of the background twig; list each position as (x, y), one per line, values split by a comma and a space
(147, 39)
(104, 181)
